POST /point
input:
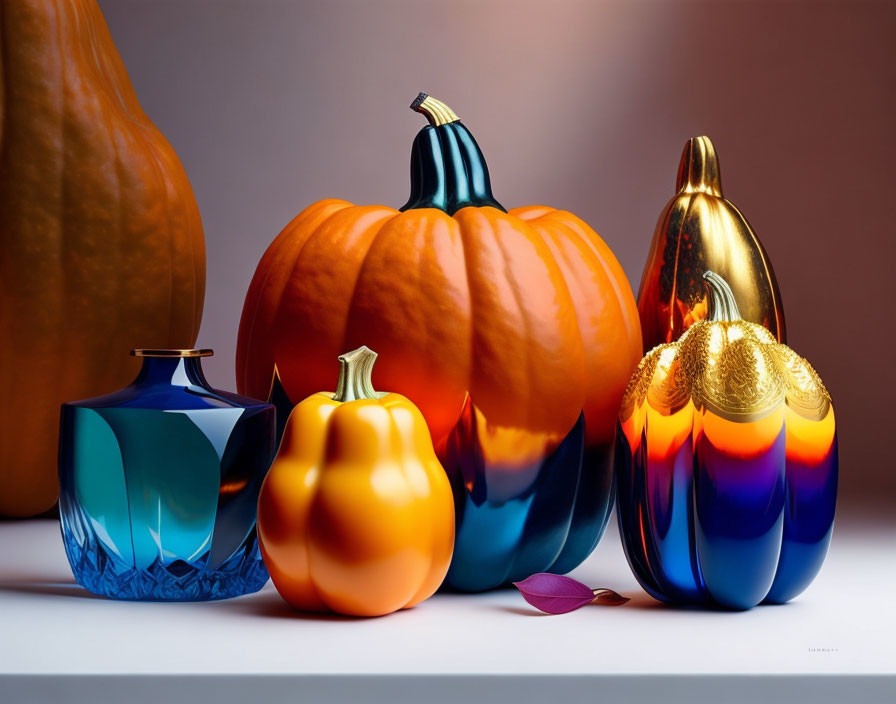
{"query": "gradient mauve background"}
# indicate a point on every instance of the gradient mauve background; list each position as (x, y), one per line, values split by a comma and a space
(580, 105)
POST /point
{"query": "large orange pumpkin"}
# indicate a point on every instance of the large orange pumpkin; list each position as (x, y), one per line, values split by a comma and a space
(503, 327)
(101, 246)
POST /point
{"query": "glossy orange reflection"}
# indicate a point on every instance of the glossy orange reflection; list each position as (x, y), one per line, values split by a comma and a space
(743, 440)
(513, 456)
(809, 441)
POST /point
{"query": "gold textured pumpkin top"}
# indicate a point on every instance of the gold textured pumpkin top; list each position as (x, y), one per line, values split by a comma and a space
(727, 365)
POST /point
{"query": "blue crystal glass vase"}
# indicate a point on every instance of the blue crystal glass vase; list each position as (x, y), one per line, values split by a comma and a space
(159, 485)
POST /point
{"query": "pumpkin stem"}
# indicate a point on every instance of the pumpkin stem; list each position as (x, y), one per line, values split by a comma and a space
(448, 170)
(435, 110)
(722, 306)
(698, 171)
(355, 370)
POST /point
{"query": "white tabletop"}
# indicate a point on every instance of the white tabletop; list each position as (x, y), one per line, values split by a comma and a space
(838, 638)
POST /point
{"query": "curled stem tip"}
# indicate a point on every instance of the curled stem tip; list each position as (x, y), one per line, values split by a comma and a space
(435, 110)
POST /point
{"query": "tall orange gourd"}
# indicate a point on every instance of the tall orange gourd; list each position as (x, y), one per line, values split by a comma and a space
(514, 333)
(101, 246)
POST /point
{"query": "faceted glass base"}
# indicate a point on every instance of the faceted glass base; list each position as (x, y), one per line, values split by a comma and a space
(102, 572)
(159, 484)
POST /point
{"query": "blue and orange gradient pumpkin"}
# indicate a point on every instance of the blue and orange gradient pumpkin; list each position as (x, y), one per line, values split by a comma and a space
(726, 463)
(513, 331)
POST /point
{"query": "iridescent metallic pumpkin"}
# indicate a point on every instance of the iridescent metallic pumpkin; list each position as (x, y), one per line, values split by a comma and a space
(726, 464)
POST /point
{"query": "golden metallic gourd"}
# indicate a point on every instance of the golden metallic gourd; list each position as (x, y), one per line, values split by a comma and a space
(700, 230)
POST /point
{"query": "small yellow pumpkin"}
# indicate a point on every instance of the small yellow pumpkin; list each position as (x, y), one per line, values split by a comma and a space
(356, 514)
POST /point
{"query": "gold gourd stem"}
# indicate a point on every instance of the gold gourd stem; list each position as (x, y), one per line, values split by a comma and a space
(698, 171)
(355, 370)
(722, 305)
(435, 110)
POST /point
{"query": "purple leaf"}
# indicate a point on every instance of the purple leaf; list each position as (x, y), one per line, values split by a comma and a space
(554, 593)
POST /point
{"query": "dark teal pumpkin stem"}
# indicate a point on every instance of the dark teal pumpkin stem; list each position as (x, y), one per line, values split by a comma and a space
(448, 170)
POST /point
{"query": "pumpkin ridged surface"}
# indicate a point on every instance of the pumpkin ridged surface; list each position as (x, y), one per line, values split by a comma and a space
(590, 266)
(101, 246)
(524, 311)
(514, 333)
